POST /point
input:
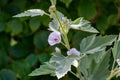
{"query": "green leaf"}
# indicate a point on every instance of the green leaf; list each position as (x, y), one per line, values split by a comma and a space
(3, 2)
(116, 50)
(112, 20)
(4, 41)
(95, 70)
(95, 43)
(15, 27)
(4, 59)
(44, 57)
(19, 50)
(66, 2)
(21, 68)
(45, 20)
(87, 9)
(31, 59)
(7, 75)
(2, 26)
(31, 12)
(53, 2)
(63, 64)
(4, 16)
(34, 23)
(40, 40)
(102, 24)
(78, 36)
(47, 68)
(60, 15)
(13, 42)
(83, 25)
(53, 25)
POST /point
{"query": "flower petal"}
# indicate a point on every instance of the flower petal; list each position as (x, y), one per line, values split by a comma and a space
(73, 51)
(54, 38)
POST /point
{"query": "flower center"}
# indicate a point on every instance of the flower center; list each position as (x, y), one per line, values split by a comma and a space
(55, 39)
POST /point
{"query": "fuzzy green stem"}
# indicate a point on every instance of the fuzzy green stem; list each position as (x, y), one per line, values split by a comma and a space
(65, 38)
(74, 74)
(78, 70)
(63, 44)
(113, 65)
(47, 14)
(113, 74)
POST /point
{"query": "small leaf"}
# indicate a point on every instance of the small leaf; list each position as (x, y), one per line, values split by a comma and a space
(21, 68)
(19, 50)
(66, 2)
(112, 19)
(13, 42)
(15, 27)
(7, 75)
(83, 25)
(95, 43)
(31, 12)
(101, 24)
(40, 40)
(87, 9)
(34, 24)
(31, 59)
(63, 64)
(47, 68)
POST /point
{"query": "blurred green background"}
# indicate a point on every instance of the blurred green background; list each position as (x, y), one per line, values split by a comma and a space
(23, 41)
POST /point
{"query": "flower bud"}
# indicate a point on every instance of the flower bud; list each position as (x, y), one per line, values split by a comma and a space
(57, 49)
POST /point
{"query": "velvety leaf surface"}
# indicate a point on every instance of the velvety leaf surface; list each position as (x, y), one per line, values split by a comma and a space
(95, 43)
(31, 12)
(47, 68)
(7, 75)
(93, 70)
(83, 25)
(63, 64)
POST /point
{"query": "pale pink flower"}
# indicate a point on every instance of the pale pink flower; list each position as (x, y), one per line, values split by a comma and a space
(73, 51)
(54, 38)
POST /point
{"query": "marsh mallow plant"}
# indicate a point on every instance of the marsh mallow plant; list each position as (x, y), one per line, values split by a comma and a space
(91, 60)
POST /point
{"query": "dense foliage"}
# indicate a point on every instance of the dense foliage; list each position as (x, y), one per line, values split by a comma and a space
(23, 41)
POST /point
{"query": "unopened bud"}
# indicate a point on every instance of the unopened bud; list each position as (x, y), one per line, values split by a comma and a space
(57, 49)
(52, 8)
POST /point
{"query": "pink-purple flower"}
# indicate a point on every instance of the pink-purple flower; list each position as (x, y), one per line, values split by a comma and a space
(54, 38)
(73, 51)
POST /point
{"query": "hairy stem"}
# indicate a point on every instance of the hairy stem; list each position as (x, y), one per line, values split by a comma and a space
(65, 38)
(113, 74)
(74, 74)
(113, 65)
